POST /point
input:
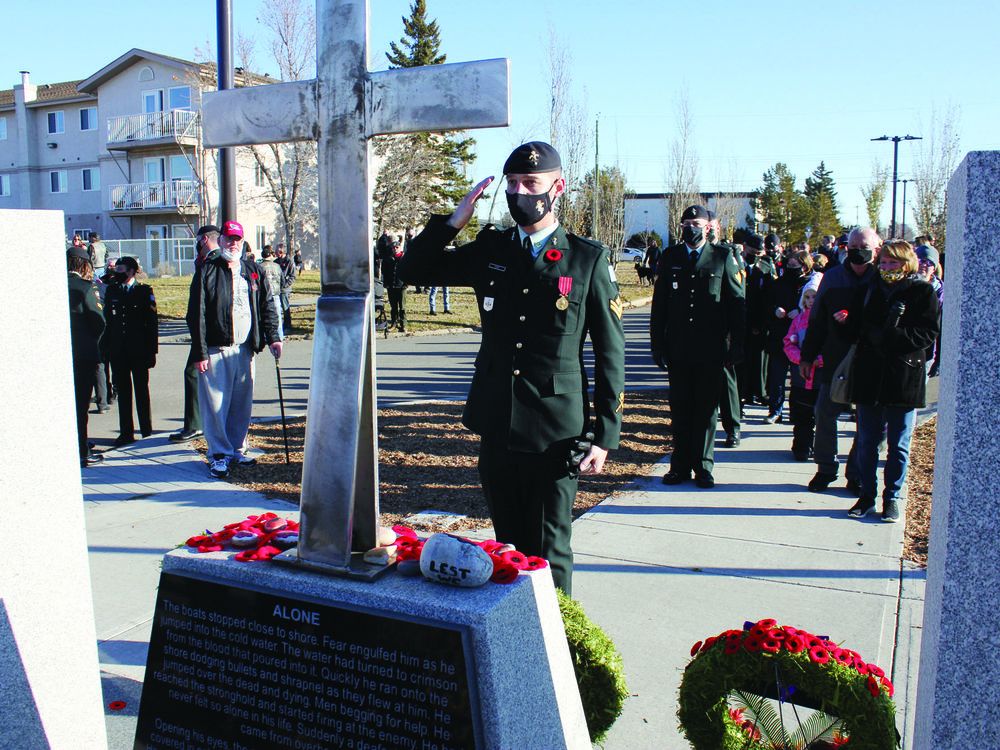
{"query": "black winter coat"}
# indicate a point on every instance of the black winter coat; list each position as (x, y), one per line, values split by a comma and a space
(210, 307)
(133, 330)
(840, 289)
(784, 293)
(889, 362)
(86, 321)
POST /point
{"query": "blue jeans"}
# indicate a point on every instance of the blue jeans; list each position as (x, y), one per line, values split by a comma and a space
(432, 297)
(898, 423)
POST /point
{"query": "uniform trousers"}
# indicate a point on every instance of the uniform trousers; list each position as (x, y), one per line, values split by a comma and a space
(192, 412)
(225, 395)
(128, 377)
(530, 497)
(777, 374)
(729, 401)
(105, 394)
(694, 412)
(754, 368)
(84, 379)
(801, 406)
(397, 306)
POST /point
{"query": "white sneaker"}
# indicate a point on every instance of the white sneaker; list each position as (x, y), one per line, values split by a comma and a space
(244, 460)
(218, 467)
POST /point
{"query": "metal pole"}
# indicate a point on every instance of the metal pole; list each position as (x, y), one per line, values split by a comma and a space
(597, 173)
(227, 156)
(903, 228)
(281, 401)
(895, 165)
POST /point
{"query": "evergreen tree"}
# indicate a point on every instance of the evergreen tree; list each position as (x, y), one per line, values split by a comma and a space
(444, 156)
(821, 193)
(785, 210)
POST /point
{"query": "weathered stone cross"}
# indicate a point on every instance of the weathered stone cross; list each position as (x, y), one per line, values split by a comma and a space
(342, 109)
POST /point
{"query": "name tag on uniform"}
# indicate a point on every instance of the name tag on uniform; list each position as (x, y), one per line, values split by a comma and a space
(611, 273)
(487, 304)
(495, 267)
(675, 285)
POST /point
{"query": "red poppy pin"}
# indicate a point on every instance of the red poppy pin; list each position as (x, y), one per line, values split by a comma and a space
(553, 255)
(253, 276)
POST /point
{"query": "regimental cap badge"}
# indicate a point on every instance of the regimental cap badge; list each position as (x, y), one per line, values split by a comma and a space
(533, 157)
(621, 402)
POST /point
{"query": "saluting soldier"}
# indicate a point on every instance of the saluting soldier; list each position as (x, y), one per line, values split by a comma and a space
(696, 328)
(131, 342)
(541, 291)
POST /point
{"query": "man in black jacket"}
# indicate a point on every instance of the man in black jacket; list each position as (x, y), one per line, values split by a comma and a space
(130, 343)
(231, 317)
(86, 324)
(829, 336)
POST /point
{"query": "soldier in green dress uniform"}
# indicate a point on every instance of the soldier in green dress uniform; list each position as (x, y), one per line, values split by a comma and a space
(541, 291)
(696, 328)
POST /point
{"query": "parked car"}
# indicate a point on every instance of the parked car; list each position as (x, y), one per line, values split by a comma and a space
(631, 255)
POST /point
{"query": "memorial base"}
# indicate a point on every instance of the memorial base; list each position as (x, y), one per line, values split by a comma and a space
(358, 569)
(246, 655)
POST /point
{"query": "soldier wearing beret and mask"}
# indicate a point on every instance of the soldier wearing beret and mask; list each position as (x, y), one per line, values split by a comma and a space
(541, 291)
(696, 328)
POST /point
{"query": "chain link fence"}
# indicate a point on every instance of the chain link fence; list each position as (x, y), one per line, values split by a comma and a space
(157, 257)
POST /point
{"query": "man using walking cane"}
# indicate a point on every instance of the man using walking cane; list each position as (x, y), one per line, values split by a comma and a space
(281, 402)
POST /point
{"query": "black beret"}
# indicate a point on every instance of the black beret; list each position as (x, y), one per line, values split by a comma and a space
(695, 212)
(208, 228)
(842, 240)
(531, 158)
(77, 252)
(772, 241)
(129, 262)
(755, 241)
(711, 215)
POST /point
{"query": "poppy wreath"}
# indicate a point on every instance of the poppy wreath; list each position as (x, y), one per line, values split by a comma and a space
(259, 538)
(825, 676)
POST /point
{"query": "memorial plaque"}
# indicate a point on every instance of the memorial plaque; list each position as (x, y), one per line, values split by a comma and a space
(237, 668)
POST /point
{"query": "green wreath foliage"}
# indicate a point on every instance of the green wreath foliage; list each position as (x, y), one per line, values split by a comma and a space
(600, 673)
(841, 685)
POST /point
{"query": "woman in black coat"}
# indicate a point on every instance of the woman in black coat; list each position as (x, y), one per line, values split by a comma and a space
(898, 322)
(130, 344)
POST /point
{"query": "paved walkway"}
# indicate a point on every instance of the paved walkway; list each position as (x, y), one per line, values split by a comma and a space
(658, 567)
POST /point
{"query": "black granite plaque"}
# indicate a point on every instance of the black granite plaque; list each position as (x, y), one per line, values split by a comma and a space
(233, 668)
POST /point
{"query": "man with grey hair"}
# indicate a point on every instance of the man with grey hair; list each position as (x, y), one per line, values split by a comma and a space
(839, 299)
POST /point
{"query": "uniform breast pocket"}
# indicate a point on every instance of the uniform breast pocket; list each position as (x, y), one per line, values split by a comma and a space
(564, 309)
(714, 283)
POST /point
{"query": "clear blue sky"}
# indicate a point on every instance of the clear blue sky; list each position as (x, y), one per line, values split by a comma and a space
(770, 81)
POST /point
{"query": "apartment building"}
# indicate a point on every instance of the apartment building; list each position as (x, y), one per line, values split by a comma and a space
(120, 153)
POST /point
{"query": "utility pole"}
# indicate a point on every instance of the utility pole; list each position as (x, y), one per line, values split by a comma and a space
(597, 174)
(895, 170)
(903, 228)
(227, 155)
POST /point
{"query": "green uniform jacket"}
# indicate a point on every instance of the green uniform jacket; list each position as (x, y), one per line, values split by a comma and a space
(698, 314)
(86, 320)
(530, 388)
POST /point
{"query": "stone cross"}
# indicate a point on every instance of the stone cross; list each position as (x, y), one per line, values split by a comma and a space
(342, 109)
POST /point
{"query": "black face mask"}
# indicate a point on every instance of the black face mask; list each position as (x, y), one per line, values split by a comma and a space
(527, 208)
(693, 236)
(860, 255)
(793, 271)
(711, 235)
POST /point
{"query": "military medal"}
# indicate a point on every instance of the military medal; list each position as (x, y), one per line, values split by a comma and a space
(565, 285)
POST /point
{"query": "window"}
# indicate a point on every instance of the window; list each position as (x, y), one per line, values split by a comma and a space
(56, 123)
(91, 179)
(4, 185)
(3, 128)
(84, 233)
(180, 168)
(260, 234)
(145, 74)
(152, 101)
(259, 179)
(88, 118)
(180, 97)
(57, 181)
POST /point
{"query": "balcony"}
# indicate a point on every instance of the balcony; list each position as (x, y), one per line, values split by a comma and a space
(154, 129)
(175, 196)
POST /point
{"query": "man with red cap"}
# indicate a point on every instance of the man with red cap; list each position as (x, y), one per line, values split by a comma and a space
(231, 317)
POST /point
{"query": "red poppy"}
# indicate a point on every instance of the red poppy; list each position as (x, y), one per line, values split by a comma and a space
(752, 644)
(859, 666)
(518, 559)
(732, 647)
(842, 656)
(210, 548)
(253, 276)
(887, 684)
(795, 643)
(406, 531)
(736, 714)
(197, 541)
(695, 648)
(819, 654)
(767, 623)
(876, 670)
(873, 686)
(771, 645)
(117, 705)
(553, 255)
(777, 634)
(504, 573)
(840, 740)
(537, 563)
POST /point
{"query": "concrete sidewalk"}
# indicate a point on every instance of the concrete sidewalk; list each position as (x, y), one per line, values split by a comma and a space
(658, 567)
(661, 568)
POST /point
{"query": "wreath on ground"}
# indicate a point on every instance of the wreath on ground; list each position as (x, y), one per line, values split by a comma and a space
(853, 698)
(600, 673)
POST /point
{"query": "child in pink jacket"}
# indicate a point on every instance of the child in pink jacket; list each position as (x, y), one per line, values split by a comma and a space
(802, 399)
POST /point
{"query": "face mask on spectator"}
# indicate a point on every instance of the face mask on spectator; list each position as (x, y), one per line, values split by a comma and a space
(892, 276)
(860, 255)
(229, 255)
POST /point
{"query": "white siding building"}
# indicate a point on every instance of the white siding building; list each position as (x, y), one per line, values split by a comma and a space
(651, 211)
(120, 154)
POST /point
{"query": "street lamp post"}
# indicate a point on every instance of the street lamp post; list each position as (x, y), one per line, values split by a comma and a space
(895, 169)
(903, 229)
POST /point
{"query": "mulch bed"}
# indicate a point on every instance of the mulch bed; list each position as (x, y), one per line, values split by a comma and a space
(427, 460)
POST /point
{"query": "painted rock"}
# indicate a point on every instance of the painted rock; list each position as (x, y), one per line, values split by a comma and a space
(285, 539)
(455, 561)
(381, 555)
(245, 539)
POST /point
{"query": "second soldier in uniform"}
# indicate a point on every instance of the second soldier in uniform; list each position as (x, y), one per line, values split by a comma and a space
(541, 291)
(696, 328)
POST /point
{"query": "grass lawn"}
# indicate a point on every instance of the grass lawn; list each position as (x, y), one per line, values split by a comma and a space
(172, 294)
